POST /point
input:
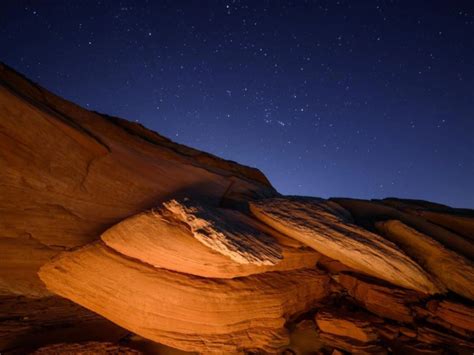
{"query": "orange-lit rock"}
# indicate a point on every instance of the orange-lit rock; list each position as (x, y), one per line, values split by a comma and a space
(452, 313)
(206, 241)
(368, 212)
(186, 312)
(346, 325)
(324, 228)
(68, 174)
(383, 300)
(182, 261)
(453, 270)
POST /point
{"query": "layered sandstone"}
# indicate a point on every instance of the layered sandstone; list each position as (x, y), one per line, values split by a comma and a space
(324, 228)
(183, 311)
(453, 270)
(141, 243)
(174, 237)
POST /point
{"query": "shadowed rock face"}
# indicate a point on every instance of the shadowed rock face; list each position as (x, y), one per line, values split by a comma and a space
(139, 242)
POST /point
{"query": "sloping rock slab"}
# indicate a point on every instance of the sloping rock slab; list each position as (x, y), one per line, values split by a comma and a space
(169, 237)
(459, 316)
(452, 269)
(460, 224)
(368, 212)
(320, 226)
(384, 301)
(183, 311)
(68, 174)
(346, 325)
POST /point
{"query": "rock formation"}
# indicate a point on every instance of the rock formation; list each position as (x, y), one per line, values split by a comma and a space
(114, 239)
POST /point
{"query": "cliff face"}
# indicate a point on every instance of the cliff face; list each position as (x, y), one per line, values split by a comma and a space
(113, 235)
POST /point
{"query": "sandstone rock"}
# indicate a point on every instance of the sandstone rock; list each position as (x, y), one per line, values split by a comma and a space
(408, 332)
(351, 345)
(435, 337)
(453, 270)
(382, 300)
(206, 241)
(346, 325)
(88, 348)
(452, 313)
(68, 174)
(388, 331)
(29, 323)
(333, 266)
(201, 274)
(368, 212)
(460, 224)
(417, 348)
(182, 311)
(18, 258)
(321, 227)
(458, 220)
(304, 339)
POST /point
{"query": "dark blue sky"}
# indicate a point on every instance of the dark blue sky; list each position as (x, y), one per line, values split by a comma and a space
(328, 98)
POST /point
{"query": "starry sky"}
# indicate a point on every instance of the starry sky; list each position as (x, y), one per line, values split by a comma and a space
(364, 99)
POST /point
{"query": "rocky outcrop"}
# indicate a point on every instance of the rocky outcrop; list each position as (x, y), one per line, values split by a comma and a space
(353, 326)
(141, 243)
(183, 311)
(453, 270)
(450, 315)
(366, 213)
(197, 240)
(381, 299)
(68, 174)
(327, 230)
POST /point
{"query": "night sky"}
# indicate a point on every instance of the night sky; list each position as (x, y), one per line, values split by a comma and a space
(364, 99)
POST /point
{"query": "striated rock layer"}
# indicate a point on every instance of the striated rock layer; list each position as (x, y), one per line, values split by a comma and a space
(141, 242)
(324, 228)
(183, 311)
(454, 271)
(68, 174)
(161, 238)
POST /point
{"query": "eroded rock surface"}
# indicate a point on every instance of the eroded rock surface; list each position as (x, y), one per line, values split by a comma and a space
(181, 237)
(183, 311)
(368, 212)
(453, 270)
(383, 300)
(202, 254)
(68, 174)
(315, 223)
